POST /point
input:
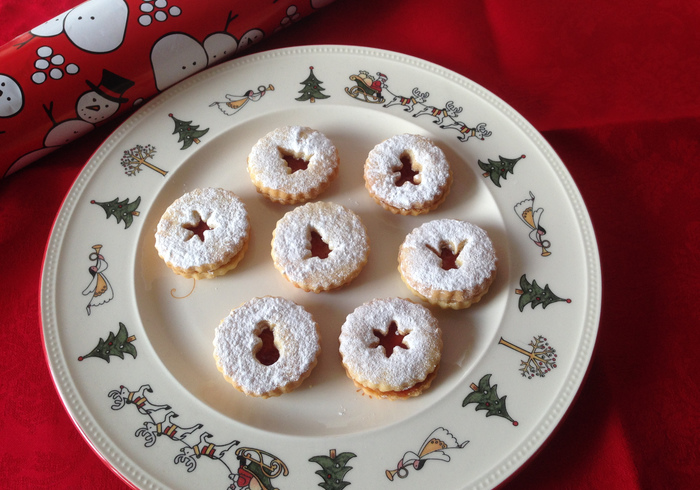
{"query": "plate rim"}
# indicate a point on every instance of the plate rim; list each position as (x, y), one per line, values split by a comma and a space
(594, 299)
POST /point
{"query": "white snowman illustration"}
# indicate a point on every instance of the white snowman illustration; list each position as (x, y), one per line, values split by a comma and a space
(221, 45)
(104, 100)
(176, 56)
(96, 26)
(66, 132)
(92, 107)
(61, 134)
(50, 28)
(11, 96)
(249, 38)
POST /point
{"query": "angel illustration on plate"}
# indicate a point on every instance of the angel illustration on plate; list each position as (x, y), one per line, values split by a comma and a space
(531, 216)
(99, 290)
(432, 449)
(235, 103)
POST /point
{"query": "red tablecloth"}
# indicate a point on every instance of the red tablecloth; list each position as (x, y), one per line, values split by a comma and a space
(612, 85)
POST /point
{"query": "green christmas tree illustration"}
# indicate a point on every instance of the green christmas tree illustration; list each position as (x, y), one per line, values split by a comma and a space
(486, 398)
(115, 345)
(531, 293)
(312, 88)
(499, 169)
(187, 132)
(122, 210)
(333, 469)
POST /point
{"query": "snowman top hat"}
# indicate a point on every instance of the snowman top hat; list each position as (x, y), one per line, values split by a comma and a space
(112, 86)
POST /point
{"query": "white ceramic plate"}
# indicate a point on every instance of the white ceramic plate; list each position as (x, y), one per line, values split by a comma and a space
(157, 409)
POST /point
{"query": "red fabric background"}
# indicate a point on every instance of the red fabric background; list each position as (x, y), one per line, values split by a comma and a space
(612, 85)
(117, 62)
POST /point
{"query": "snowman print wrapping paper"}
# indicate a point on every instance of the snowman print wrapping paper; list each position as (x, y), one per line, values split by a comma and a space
(91, 63)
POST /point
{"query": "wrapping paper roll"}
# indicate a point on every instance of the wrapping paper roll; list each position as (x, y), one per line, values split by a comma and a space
(106, 57)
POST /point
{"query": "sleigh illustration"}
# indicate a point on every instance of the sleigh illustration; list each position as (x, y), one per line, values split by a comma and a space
(367, 87)
(257, 469)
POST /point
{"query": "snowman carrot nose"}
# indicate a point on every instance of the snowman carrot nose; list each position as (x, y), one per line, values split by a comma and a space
(93, 107)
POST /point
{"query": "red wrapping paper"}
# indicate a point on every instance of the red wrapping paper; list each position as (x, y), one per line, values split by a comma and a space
(102, 58)
(613, 86)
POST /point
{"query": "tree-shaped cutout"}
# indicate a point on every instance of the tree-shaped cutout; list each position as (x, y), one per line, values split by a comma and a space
(187, 132)
(540, 360)
(198, 228)
(486, 398)
(137, 157)
(115, 345)
(531, 293)
(312, 89)
(448, 254)
(334, 467)
(390, 340)
(499, 169)
(319, 247)
(408, 171)
(121, 210)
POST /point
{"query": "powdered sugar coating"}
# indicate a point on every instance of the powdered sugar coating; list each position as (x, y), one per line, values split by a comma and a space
(369, 365)
(225, 215)
(339, 227)
(421, 267)
(296, 338)
(273, 177)
(382, 169)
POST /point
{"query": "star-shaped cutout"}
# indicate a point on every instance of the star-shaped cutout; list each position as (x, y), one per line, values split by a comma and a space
(198, 228)
(391, 339)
